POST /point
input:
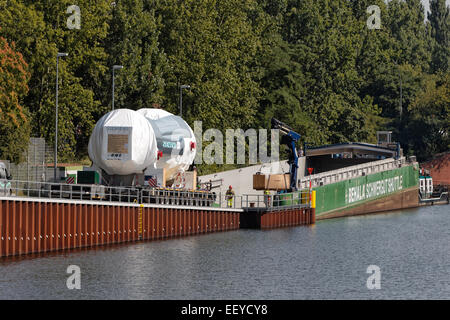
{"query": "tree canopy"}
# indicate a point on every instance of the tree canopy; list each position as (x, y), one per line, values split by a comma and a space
(314, 64)
(14, 121)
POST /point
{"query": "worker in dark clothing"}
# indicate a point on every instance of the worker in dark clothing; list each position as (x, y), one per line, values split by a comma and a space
(230, 195)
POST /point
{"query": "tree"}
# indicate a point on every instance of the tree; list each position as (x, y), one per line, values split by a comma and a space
(40, 31)
(24, 25)
(133, 41)
(428, 128)
(283, 87)
(439, 19)
(14, 123)
(212, 46)
(323, 43)
(405, 21)
(313, 64)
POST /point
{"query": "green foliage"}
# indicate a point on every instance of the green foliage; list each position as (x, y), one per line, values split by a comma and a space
(212, 46)
(313, 64)
(405, 20)
(133, 41)
(440, 31)
(321, 85)
(429, 122)
(40, 31)
(14, 122)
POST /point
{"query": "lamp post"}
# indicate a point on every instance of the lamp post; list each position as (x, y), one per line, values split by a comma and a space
(181, 97)
(115, 67)
(59, 55)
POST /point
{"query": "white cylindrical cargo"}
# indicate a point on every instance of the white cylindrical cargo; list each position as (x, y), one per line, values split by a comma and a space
(123, 143)
(174, 138)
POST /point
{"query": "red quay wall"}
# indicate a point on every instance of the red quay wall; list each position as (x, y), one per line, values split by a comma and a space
(277, 218)
(439, 169)
(33, 225)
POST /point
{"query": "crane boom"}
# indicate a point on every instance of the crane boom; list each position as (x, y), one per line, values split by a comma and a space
(290, 139)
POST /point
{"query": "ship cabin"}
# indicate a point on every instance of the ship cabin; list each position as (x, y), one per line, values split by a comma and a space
(425, 186)
(337, 156)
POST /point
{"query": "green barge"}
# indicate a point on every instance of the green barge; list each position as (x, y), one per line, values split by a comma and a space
(360, 178)
(381, 191)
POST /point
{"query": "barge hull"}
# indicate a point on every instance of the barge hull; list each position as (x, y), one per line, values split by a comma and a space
(383, 191)
(401, 200)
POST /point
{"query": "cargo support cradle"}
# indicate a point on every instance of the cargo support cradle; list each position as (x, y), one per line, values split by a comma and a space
(30, 225)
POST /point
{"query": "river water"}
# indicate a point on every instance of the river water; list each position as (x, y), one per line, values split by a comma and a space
(325, 261)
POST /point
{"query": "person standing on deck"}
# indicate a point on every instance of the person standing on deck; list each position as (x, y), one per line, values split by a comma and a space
(230, 195)
(267, 198)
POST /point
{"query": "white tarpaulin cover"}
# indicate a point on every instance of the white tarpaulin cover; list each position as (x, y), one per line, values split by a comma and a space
(174, 138)
(123, 143)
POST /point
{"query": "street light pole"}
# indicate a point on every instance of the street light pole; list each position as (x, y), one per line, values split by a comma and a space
(181, 97)
(115, 67)
(59, 55)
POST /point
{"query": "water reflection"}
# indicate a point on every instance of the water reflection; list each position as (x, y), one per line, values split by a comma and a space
(326, 261)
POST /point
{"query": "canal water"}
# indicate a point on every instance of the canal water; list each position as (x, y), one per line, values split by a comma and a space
(325, 261)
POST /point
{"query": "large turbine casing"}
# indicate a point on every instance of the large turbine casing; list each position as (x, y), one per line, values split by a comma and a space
(123, 143)
(175, 138)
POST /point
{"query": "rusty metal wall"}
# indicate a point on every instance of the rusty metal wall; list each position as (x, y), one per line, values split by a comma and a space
(277, 218)
(160, 223)
(28, 226)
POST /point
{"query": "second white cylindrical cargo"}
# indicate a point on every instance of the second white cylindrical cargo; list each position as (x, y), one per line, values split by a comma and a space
(175, 141)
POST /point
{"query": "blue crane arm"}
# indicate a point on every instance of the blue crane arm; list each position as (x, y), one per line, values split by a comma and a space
(284, 128)
(291, 141)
